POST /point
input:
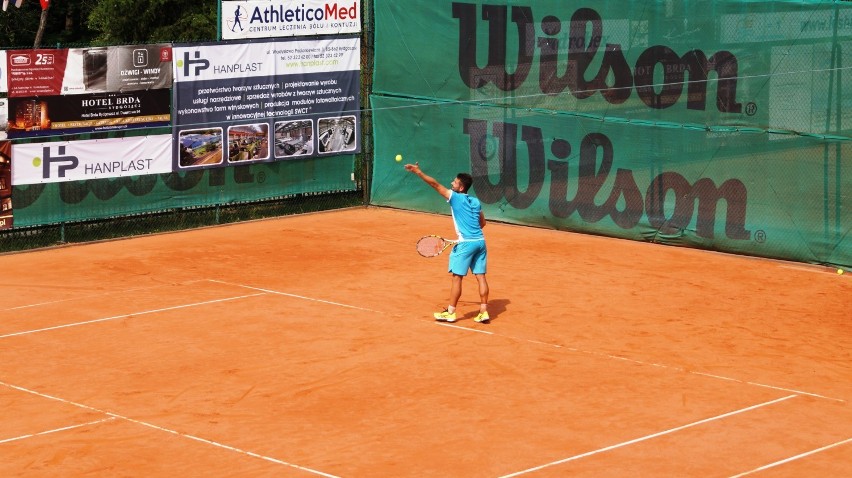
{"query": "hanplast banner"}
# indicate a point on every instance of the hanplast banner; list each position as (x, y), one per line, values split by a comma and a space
(266, 101)
(67, 91)
(36, 163)
(241, 19)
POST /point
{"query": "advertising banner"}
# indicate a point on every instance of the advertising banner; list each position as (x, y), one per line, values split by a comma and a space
(241, 19)
(246, 101)
(722, 127)
(89, 70)
(54, 162)
(47, 203)
(5, 185)
(4, 117)
(65, 91)
(4, 85)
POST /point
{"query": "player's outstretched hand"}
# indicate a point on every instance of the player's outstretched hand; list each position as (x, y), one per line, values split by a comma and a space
(414, 168)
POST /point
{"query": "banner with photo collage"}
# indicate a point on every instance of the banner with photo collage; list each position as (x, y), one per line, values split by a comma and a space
(81, 90)
(245, 102)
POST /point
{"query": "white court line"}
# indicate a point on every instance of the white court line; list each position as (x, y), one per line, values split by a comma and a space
(648, 437)
(782, 389)
(71, 427)
(127, 315)
(444, 324)
(270, 291)
(802, 455)
(816, 269)
(168, 430)
(652, 364)
(39, 304)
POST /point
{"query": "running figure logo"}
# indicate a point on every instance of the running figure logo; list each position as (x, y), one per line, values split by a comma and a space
(239, 13)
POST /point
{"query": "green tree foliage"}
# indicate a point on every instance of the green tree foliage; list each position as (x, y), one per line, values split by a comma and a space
(109, 22)
(139, 21)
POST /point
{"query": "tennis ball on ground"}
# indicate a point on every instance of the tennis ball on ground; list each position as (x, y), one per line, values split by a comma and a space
(398, 158)
(840, 272)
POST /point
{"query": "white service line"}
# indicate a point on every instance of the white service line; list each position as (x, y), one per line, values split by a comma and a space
(70, 427)
(128, 315)
(819, 270)
(270, 291)
(801, 455)
(648, 437)
(136, 289)
(112, 415)
(651, 364)
(763, 385)
(454, 326)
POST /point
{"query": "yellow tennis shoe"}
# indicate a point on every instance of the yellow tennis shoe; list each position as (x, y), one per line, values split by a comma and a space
(482, 318)
(445, 316)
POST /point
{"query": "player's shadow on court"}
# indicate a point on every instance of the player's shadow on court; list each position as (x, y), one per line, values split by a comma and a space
(496, 307)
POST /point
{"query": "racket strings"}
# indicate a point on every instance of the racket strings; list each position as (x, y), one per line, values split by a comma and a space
(430, 246)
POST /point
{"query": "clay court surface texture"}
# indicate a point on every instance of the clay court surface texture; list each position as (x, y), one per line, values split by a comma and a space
(305, 346)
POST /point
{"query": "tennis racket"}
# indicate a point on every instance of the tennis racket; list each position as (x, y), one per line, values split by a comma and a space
(431, 246)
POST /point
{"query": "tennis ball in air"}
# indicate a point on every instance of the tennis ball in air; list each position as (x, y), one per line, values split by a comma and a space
(398, 158)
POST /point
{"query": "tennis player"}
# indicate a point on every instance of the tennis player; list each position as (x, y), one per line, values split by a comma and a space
(471, 252)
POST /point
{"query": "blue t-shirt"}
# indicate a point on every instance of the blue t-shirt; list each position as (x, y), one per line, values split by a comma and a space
(465, 210)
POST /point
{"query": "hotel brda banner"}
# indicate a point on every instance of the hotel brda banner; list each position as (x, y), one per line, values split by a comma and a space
(64, 91)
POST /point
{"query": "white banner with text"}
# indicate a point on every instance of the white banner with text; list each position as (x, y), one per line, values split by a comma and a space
(242, 19)
(55, 162)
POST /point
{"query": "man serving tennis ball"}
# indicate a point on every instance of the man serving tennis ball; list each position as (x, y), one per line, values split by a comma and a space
(470, 253)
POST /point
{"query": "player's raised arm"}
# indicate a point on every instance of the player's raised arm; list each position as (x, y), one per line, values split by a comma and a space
(442, 190)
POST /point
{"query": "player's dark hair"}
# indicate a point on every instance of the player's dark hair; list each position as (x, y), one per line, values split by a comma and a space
(466, 180)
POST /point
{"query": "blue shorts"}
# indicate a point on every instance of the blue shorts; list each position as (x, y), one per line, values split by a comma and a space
(468, 255)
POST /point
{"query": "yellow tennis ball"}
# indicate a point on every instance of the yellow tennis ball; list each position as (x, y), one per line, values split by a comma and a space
(398, 158)
(840, 272)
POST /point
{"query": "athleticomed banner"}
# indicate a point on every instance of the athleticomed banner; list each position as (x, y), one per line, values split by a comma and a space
(241, 19)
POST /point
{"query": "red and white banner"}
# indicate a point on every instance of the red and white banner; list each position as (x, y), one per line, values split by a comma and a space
(67, 91)
(63, 71)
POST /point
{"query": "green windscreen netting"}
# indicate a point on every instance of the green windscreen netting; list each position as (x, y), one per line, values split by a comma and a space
(716, 124)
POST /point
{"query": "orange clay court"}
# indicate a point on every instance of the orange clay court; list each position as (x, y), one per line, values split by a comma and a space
(304, 346)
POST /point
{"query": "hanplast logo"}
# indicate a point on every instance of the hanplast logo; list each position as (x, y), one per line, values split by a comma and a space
(63, 163)
(200, 63)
